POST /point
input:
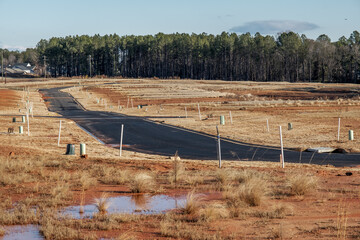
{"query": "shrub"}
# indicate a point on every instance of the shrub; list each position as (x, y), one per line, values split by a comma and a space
(301, 184)
(142, 182)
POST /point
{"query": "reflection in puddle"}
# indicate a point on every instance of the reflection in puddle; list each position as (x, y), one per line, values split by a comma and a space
(139, 204)
(21, 232)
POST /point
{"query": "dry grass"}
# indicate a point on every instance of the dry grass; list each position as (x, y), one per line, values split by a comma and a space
(214, 212)
(193, 179)
(301, 184)
(192, 204)
(142, 182)
(102, 203)
(341, 222)
(110, 175)
(178, 170)
(21, 214)
(61, 192)
(85, 181)
(225, 176)
(278, 211)
(251, 193)
(246, 175)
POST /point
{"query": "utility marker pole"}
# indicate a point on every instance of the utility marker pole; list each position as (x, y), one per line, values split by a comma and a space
(267, 125)
(218, 147)
(59, 134)
(199, 112)
(121, 139)
(338, 135)
(282, 159)
(28, 122)
(230, 118)
(185, 113)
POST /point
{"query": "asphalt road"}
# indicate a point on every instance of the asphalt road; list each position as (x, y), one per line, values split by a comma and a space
(147, 136)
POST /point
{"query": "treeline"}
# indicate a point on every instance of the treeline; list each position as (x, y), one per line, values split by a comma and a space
(288, 57)
(11, 57)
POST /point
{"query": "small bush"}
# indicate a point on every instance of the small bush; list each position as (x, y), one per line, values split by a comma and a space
(102, 203)
(301, 184)
(141, 183)
(251, 193)
(192, 205)
(214, 212)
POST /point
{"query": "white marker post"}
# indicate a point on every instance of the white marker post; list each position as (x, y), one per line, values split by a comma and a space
(338, 135)
(185, 113)
(282, 159)
(218, 146)
(121, 139)
(199, 112)
(127, 105)
(59, 133)
(230, 118)
(118, 104)
(267, 125)
(28, 123)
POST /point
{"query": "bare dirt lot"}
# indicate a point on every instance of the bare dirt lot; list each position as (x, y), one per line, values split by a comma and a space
(243, 200)
(312, 109)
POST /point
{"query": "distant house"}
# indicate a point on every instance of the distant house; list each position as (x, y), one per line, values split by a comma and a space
(24, 68)
(19, 70)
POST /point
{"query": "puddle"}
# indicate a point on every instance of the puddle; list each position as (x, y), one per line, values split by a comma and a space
(21, 232)
(135, 204)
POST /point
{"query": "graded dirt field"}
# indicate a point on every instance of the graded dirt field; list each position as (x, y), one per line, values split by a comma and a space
(243, 200)
(313, 109)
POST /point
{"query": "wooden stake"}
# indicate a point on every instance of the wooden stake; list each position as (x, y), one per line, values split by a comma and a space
(59, 133)
(230, 118)
(282, 159)
(267, 125)
(121, 139)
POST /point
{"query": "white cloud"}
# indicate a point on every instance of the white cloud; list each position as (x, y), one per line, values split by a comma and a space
(274, 26)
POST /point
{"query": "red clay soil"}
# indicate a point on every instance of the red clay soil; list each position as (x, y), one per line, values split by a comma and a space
(301, 93)
(114, 97)
(8, 98)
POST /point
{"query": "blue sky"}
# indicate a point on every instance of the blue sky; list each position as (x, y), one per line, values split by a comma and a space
(24, 23)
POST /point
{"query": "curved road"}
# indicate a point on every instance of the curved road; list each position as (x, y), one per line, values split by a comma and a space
(147, 136)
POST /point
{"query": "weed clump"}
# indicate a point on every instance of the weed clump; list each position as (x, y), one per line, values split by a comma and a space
(192, 205)
(102, 203)
(300, 185)
(141, 183)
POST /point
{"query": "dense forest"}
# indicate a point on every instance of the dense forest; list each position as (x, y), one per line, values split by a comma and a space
(288, 57)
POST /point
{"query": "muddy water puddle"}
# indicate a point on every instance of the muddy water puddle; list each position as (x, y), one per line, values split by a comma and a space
(135, 204)
(21, 232)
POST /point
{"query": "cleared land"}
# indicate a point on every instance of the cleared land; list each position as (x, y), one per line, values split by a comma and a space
(313, 109)
(244, 200)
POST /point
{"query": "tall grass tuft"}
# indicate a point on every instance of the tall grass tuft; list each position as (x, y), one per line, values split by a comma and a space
(102, 203)
(250, 193)
(192, 204)
(301, 184)
(142, 182)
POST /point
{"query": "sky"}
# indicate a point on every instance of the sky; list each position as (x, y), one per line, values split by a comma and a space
(24, 23)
